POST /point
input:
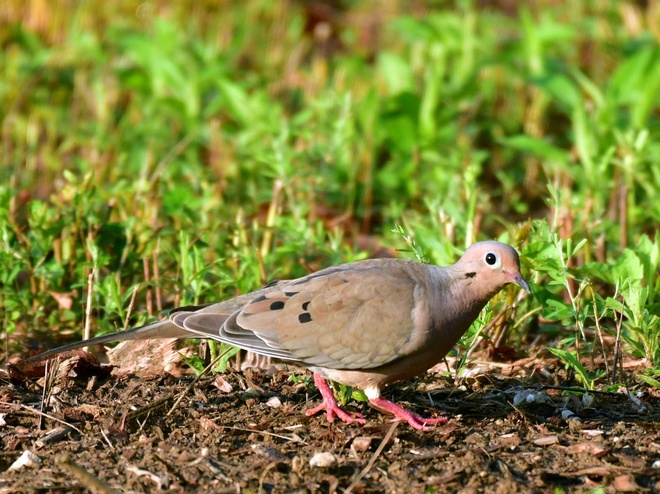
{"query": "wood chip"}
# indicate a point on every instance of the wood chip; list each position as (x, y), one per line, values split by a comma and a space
(222, 384)
(546, 440)
(591, 448)
(27, 459)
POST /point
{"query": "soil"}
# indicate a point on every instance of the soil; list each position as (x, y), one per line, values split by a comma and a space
(510, 429)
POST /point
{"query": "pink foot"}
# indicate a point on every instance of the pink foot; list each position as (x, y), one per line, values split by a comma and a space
(330, 404)
(415, 421)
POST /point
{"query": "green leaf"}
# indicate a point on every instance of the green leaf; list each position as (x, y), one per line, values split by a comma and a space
(649, 380)
(194, 362)
(571, 361)
(227, 351)
(537, 147)
(396, 72)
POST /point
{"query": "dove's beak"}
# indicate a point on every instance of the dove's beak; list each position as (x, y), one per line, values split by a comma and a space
(518, 279)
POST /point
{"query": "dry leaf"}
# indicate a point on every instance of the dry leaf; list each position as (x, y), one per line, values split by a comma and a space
(591, 448)
(546, 440)
(222, 384)
(626, 483)
(64, 300)
(146, 358)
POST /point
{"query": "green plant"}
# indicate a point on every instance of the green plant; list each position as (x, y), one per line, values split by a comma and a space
(176, 163)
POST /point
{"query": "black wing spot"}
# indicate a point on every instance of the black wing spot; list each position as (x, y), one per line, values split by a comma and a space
(305, 317)
(305, 305)
(277, 305)
(290, 294)
(260, 298)
(470, 275)
(271, 283)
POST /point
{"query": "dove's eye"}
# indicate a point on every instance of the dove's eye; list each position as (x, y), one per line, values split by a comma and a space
(492, 259)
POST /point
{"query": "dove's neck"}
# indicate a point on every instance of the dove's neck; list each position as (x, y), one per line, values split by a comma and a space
(459, 300)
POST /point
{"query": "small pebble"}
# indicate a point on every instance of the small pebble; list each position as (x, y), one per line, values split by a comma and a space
(27, 459)
(528, 396)
(361, 443)
(567, 414)
(519, 397)
(587, 400)
(323, 460)
(274, 402)
(251, 392)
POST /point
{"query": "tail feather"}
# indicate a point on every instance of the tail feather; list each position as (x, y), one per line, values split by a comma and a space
(161, 329)
(167, 328)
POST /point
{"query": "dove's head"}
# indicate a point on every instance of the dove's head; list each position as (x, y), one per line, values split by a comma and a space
(490, 266)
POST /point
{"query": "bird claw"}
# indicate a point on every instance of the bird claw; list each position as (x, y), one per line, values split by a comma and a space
(416, 421)
(333, 410)
(330, 405)
(421, 423)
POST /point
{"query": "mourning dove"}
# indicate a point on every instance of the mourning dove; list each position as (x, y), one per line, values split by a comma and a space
(364, 324)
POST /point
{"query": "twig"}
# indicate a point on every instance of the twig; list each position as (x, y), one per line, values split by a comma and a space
(147, 279)
(171, 154)
(5, 316)
(273, 210)
(263, 475)
(161, 482)
(91, 482)
(618, 357)
(295, 439)
(145, 409)
(107, 439)
(617, 344)
(575, 390)
(53, 367)
(131, 304)
(599, 331)
(486, 329)
(49, 377)
(88, 307)
(157, 288)
(194, 381)
(370, 465)
(32, 410)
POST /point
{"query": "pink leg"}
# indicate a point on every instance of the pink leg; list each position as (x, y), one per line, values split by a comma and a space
(415, 421)
(330, 404)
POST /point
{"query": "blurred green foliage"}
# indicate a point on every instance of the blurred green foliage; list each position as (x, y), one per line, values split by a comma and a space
(189, 151)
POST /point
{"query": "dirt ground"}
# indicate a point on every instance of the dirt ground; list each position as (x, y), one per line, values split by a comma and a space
(510, 430)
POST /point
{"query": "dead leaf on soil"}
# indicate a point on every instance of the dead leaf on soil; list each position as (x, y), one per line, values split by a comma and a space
(207, 423)
(89, 409)
(64, 300)
(591, 448)
(146, 358)
(546, 440)
(626, 483)
(591, 471)
(81, 362)
(511, 439)
(222, 384)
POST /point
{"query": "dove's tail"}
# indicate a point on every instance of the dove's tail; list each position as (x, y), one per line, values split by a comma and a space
(167, 328)
(160, 329)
